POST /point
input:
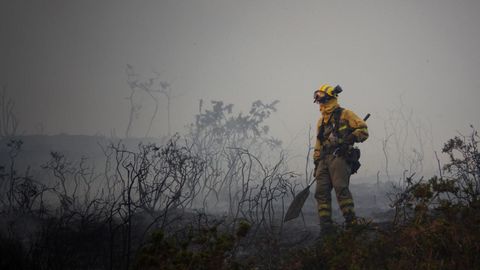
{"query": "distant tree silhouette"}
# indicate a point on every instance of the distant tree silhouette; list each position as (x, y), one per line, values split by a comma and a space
(8, 119)
(154, 88)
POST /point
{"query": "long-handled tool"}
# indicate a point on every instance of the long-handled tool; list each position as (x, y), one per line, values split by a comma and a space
(296, 206)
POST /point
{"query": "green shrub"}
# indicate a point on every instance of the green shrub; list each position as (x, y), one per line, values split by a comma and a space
(206, 248)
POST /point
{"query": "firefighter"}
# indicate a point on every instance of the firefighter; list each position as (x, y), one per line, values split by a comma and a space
(335, 156)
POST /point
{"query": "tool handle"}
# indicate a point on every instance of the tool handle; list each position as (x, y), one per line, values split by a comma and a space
(366, 117)
(311, 183)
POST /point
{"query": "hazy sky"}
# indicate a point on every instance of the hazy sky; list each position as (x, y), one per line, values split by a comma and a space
(64, 62)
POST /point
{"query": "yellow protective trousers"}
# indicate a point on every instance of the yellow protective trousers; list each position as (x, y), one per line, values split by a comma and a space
(333, 172)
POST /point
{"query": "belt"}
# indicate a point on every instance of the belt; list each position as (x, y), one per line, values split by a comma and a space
(335, 150)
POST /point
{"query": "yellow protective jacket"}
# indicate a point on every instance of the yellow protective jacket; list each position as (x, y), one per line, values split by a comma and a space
(348, 120)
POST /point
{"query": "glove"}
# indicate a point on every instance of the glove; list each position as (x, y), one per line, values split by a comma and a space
(350, 139)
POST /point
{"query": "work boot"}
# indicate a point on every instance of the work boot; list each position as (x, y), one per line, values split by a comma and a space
(327, 229)
(350, 220)
(328, 232)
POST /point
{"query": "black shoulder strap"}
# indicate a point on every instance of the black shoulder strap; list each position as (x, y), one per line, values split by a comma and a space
(336, 121)
(336, 118)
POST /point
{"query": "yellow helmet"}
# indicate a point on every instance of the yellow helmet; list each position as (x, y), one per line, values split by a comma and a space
(329, 92)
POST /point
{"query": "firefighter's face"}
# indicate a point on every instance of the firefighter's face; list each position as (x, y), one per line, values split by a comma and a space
(320, 97)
